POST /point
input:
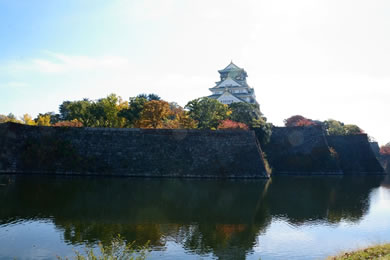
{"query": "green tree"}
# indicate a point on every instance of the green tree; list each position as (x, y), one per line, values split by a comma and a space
(244, 112)
(263, 130)
(333, 127)
(352, 130)
(251, 115)
(207, 112)
(80, 110)
(104, 112)
(132, 114)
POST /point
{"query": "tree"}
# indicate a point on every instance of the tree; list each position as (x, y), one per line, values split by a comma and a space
(385, 150)
(149, 97)
(43, 120)
(333, 127)
(244, 112)
(352, 130)
(80, 110)
(132, 114)
(104, 111)
(27, 120)
(9, 118)
(185, 121)
(229, 124)
(298, 120)
(54, 118)
(207, 112)
(263, 130)
(154, 114)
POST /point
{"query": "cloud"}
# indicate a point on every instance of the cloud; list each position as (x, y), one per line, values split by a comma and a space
(15, 84)
(59, 63)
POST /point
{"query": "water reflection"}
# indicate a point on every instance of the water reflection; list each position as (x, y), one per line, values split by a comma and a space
(205, 216)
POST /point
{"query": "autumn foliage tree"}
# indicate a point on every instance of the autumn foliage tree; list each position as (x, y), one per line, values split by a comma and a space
(385, 150)
(27, 120)
(9, 118)
(154, 113)
(298, 120)
(233, 125)
(43, 120)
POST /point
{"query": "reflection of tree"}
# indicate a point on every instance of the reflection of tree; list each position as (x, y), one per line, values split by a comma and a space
(227, 241)
(206, 216)
(330, 199)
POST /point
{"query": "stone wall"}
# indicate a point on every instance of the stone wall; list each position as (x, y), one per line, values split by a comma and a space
(375, 148)
(130, 152)
(355, 154)
(307, 150)
(301, 150)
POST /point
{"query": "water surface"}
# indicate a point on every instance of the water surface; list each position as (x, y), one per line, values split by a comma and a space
(286, 217)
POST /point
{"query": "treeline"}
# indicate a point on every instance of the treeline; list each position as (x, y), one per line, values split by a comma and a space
(150, 111)
(333, 127)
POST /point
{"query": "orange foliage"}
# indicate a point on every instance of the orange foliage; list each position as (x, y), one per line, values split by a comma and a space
(73, 123)
(229, 124)
(385, 150)
(304, 122)
(298, 120)
(153, 115)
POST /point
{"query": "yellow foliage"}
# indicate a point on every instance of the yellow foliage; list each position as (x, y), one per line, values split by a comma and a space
(27, 120)
(43, 120)
(155, 112)
(185, 121)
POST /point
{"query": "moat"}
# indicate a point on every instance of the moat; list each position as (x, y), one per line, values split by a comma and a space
(284, 217)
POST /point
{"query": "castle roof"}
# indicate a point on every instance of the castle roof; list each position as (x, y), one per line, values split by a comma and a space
(230, 67)
(228, 82)
(226, 93)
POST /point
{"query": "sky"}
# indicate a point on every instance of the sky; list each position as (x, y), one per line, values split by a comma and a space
(318, 58)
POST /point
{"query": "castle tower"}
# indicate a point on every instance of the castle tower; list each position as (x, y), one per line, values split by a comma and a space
(233, 87)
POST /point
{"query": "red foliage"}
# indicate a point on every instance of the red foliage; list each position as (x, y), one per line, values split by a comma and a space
(298, 121)
(229, 124)
(385, 150)
(73, 123)
(305, 122)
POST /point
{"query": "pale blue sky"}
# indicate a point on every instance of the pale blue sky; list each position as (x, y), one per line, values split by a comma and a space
(319, 58)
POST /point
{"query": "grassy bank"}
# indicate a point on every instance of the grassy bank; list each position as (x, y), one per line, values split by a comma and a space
(376, 252)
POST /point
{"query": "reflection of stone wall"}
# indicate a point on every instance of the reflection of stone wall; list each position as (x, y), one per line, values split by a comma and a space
(355, 154)
(223, 217)
(205, 216)
(330, 199)
(385, 162)
(130, 152)
(300, 150)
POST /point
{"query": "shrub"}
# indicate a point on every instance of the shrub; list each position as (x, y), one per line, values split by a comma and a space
(229, 124)
(385, 150)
